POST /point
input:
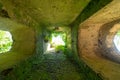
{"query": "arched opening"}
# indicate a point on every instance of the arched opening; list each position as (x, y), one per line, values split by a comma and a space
(5, 41)
(116, 40)
(109, 41)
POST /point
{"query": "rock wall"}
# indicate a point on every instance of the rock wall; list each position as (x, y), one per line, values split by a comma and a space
(23, 43)
(96, 46)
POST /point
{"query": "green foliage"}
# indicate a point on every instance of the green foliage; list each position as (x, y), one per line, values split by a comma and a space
(61, 48)
(118, 33)
(62, 34)
(5, 41)
(1, 6)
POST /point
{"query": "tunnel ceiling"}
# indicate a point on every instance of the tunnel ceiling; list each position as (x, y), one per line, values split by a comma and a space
(54, 12)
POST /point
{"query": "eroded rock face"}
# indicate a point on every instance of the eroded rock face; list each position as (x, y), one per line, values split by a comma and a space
(95, 41)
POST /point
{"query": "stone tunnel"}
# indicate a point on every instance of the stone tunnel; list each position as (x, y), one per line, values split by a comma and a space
(88, 30)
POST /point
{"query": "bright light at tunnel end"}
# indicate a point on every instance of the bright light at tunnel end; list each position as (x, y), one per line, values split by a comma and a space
(58, 41)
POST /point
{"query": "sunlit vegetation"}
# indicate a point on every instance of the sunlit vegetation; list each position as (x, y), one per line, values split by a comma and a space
(5, 41)
(117, 40)
(57, 41)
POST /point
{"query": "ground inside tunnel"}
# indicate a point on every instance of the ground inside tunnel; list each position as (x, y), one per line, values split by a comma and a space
(52, 66)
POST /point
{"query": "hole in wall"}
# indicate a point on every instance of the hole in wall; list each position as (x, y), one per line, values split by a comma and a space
(110, 38)
(116, 40)
(5, 41)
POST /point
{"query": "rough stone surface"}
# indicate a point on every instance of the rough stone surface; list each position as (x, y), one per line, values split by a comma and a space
(89, 42)
(47, 12)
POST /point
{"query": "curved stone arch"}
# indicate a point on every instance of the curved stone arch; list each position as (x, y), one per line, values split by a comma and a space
(23, 43)
(106, 37)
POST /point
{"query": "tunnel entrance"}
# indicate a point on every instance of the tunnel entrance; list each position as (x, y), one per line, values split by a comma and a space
(5, 41)
(117, 40)
(56, 39)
